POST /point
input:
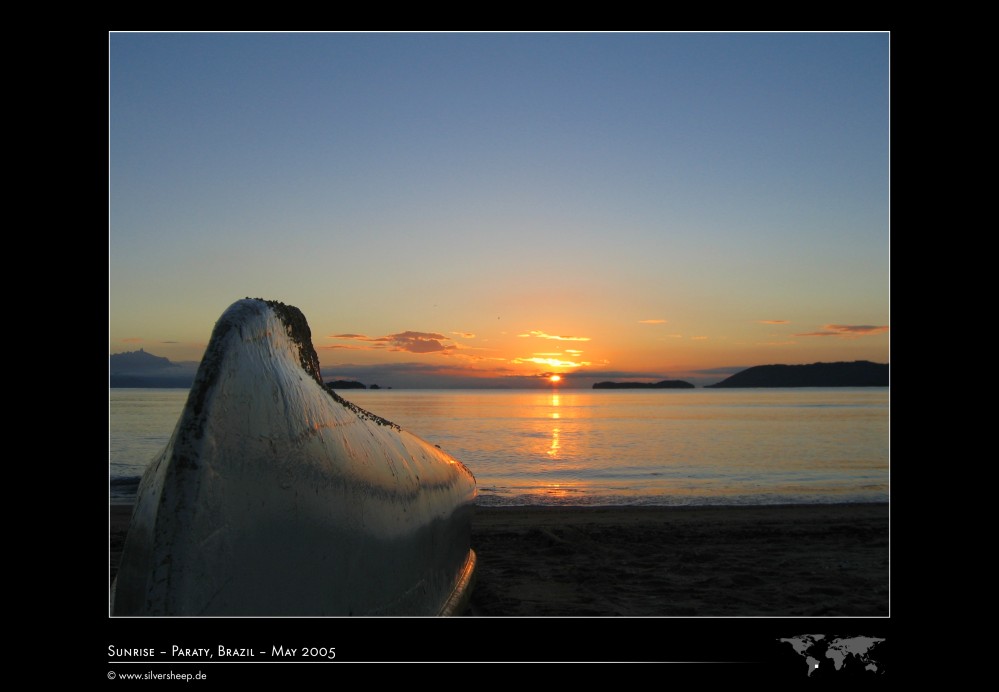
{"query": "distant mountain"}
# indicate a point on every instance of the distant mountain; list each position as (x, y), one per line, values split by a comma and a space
(665, 384)
(137, 362)
(859, 373)
(142, 369)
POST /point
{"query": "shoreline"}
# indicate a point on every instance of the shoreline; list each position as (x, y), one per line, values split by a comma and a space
(708, 560)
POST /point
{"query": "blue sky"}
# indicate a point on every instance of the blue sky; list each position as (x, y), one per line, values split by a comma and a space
(681, 201)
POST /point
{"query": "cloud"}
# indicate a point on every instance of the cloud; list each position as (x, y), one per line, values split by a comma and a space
(857, 328)
(436, 374)
(418, 375)
(419, 342)
(360, 337)
(408, 341)
(444, 374)
(334, 347)
(132, 340)
(573, 351)
(542, 335)
(698, 338)
(847, 331)
(613, 374)
(465, 335)
(169, 342)
(773, 321)
(552, 362)
(652, 321)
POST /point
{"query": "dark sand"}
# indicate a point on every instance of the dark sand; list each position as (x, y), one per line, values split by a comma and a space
(793, 560)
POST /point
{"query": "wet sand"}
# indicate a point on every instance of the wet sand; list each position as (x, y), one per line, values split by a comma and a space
(815, 560)
(789, 560)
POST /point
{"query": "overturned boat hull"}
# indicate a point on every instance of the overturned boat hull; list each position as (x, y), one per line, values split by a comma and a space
(277, 497)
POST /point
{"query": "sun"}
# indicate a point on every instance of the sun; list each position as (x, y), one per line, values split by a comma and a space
(554, 378)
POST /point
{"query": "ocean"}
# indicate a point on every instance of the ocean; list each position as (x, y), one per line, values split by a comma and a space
(604, 447)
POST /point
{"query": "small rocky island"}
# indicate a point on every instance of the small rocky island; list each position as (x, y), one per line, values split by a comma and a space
(859, 373)
(665, 384)
(348, 384)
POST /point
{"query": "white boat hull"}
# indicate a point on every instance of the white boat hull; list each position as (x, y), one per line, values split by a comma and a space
(277, 497)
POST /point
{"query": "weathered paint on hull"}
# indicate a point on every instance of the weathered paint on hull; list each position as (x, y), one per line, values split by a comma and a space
(276, 497)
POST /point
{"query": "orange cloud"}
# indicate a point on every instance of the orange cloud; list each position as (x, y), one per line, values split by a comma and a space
(465, 335)
(773, 321)
(553, 362)
(652, 321)
(857, 328)
(419, 342)
(408, 341)
(847, 331)
(376, 347)
(542, 335)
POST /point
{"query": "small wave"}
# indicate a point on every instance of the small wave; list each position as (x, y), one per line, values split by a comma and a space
(124, 489)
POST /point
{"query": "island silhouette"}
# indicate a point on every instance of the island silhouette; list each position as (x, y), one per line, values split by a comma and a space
(859, 373)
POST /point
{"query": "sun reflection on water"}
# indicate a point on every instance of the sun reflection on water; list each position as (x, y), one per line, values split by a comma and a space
(553, 449)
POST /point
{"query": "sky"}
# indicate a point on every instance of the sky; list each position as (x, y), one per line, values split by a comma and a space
(488, 209)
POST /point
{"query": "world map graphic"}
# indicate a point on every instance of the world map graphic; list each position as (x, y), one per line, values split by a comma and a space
(820, 651)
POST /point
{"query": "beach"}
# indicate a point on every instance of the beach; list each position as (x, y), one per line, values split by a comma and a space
(759, 560)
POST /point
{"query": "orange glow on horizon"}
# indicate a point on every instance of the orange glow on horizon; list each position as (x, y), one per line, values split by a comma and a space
(555, 379)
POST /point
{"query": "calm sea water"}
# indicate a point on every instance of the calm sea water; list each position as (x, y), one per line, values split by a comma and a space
(584, 447)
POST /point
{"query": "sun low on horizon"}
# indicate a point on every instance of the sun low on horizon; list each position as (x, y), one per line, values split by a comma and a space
(504, 209)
